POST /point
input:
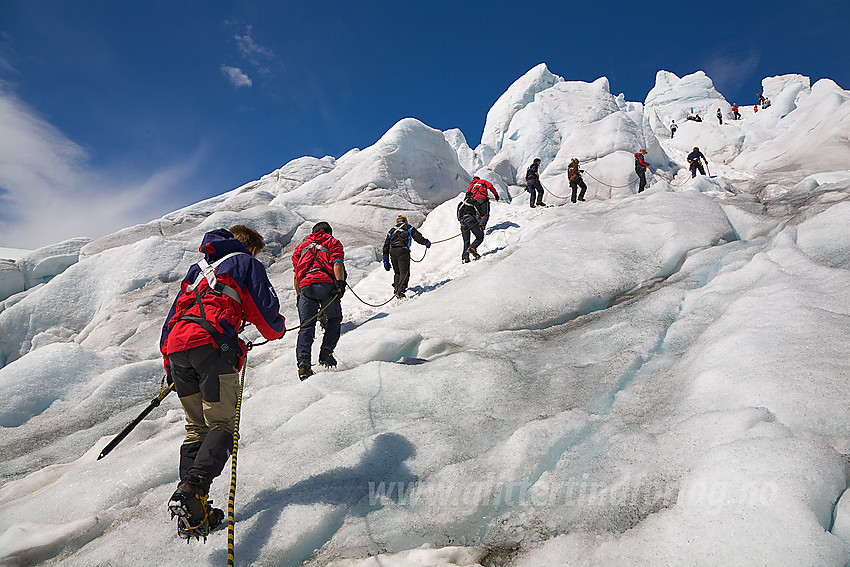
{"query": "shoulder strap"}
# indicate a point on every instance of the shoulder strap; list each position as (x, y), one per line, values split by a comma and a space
(316, 264)
(208, 273)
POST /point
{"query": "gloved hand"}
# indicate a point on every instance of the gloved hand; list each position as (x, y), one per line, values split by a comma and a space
(497, 197)
(427, 244)
(386, 263)
(340, 288)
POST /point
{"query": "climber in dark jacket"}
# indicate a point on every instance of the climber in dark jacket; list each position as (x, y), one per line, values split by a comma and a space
(397, 252)
(640, 168)
(694, 159)
(469, 217)
(533, 185)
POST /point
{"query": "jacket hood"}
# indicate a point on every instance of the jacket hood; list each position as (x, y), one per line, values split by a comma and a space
(320, 237)
(219, 243)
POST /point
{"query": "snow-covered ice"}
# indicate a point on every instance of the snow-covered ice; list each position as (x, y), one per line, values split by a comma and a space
(639, 379)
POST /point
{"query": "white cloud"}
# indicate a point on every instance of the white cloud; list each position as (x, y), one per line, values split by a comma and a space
(249, 48)
(236, 76)
(730, 70)
(48, 191)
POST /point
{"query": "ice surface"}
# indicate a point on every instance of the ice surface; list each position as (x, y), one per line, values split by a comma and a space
(652, 379)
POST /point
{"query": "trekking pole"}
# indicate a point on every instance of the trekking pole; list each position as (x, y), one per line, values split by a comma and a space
(126, 431)
(708, 171)
(231, 516)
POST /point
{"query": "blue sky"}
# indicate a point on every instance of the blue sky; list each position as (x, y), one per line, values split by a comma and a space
(114, 113)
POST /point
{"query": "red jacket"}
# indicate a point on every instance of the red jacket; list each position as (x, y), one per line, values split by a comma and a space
(639, 159)
(239, 272)
(314, 258)
(479, 188)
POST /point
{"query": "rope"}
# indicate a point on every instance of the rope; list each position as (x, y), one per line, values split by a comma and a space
(445, 239)
(231, 516)
(422, 258)
(557, 196)
(612, 186)
(360, 299)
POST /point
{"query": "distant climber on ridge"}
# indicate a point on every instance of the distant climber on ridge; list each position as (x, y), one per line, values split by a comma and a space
(479, 188)
(673, 128)
(720, 116)
(318, 265)
(736, 115)
(695, 160)
(574, 176)
(397, 252)
(533, 185)
(470, 221)
(203, 354)
(640, 168)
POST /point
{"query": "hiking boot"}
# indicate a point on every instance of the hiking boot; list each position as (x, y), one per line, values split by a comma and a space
(189, 504)
(581, 199)
(532, 205)
(400, 295)
(541, 204)
(465, 260)
(304, 370)
(327, 359)
(474, 252)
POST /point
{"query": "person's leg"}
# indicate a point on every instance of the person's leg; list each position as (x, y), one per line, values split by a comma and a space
(186, 383)
(404, 268)
(583, 186)
(307, 309)
(642, 177)
(479, 237)
(333, 310)
(574, 187)
(464, 233)
(539, 193)
(398, 271)
(532, 194)
(484, 209)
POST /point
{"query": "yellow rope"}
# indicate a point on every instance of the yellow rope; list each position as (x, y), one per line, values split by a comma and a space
(231, 520)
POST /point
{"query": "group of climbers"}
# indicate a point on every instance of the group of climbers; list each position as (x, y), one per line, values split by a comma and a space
(203, 353)
(229, 287)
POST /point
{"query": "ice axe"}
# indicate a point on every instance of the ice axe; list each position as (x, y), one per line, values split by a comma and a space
(132, 425)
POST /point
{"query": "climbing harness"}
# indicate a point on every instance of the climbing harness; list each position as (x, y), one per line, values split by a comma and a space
(228, 347)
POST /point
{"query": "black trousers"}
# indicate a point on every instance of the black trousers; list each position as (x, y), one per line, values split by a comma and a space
(641, 173)
(207, 386)
(535, 188)
(575, 183)
(400, 260)
(465, 230)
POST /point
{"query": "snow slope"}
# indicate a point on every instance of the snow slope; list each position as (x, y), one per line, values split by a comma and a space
(639, 379)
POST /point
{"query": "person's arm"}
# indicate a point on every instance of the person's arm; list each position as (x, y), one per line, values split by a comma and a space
(417, 236)
(296, 284)
(260, 304)
(339, 271)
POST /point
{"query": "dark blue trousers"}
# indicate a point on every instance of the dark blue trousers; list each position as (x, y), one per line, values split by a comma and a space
(312, 298)
(475, 229)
